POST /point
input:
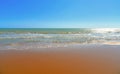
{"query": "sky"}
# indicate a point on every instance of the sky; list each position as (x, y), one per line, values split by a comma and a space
(59, 13)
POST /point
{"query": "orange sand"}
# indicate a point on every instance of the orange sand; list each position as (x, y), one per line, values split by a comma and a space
(56, 62)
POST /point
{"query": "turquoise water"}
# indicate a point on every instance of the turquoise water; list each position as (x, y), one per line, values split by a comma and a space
(57, 36)
(45, 30)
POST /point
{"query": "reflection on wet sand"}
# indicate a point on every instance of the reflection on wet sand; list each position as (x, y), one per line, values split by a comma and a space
(84, 60)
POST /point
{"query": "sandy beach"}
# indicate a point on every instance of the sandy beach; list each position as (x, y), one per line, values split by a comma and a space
(65, 60)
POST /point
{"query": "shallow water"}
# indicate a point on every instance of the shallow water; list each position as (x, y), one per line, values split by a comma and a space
(52, 37)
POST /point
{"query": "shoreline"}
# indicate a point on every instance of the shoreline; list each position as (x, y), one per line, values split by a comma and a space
(38, 46)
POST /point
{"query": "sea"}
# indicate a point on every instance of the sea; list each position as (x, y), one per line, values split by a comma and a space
(35, 38)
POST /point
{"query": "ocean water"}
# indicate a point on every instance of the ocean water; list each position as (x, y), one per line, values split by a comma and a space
(26, 38)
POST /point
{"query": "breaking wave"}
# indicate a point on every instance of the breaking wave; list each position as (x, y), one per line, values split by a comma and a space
(71, 36)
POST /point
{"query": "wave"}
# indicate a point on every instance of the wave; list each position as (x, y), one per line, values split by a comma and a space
(61, 38)
(83, 36)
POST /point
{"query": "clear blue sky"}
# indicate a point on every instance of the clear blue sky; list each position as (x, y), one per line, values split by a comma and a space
(59, 13)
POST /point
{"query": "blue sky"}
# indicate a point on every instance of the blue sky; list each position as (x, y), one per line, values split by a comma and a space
(59, 13)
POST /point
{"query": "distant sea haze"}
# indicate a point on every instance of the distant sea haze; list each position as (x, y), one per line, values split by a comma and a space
(52, 37)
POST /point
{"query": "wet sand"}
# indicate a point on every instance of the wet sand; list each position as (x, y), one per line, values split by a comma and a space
(67, 60)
